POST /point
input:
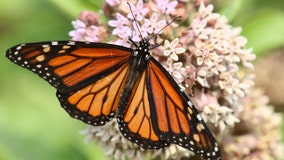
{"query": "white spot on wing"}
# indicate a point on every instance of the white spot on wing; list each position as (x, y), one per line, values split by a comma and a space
(190, 104)
(216, 149)
(199, 117)
(19, 47)
(71, 43)
(45, 45)
(54, 43)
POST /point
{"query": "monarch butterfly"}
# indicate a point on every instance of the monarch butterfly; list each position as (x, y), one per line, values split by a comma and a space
(96, 82)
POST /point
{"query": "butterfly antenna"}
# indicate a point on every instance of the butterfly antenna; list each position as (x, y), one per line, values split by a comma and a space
(156, 34)
(135, 21)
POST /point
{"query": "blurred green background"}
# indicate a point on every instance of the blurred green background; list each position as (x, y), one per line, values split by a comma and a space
(32, 124)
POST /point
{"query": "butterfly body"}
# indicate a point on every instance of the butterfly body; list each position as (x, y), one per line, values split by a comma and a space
(96, 82)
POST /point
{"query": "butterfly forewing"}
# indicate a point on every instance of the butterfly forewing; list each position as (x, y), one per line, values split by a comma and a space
(69, 65)
(97, 103)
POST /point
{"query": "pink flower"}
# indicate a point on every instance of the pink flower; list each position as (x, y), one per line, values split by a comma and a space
(123, 33)
(199, 28)
(84, 33)
(210, 63)
(205, 53)
(171, 49)
(136, 37)
(78, 24)
(120, 23)
(113, 2)
(89, 18)
(176, 70)
(139, 11)
(165, 6)
(205, 12)
(153, 25)
(221, 116)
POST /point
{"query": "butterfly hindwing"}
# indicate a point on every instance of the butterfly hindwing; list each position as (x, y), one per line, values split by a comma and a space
(69, 65)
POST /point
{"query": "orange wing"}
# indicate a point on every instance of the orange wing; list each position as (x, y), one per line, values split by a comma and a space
(96, 103)
(174, 117)
(159, 114)
(137, 122)
(68, 65)
(89, 77)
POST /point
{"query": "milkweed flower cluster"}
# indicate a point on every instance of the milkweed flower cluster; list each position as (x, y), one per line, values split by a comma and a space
(207, 58)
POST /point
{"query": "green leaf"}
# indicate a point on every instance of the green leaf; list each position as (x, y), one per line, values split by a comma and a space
(232, 9)
(74, 7)
(266, 30)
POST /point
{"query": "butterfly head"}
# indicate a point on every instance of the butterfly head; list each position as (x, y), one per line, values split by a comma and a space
(144, 45)
(143, 48)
